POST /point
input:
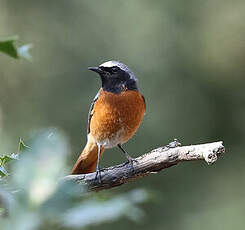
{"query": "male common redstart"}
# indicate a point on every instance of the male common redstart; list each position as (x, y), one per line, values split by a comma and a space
(114, 115)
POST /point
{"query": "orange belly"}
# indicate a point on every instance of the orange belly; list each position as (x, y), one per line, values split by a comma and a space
(116, 117)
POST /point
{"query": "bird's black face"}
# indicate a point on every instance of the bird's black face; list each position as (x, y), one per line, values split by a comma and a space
(116, 77)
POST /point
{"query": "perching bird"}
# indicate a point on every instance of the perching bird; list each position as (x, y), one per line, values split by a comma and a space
(114, 116)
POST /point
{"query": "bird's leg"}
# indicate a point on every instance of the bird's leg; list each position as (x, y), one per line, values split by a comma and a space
(98, 174)
(130, 159)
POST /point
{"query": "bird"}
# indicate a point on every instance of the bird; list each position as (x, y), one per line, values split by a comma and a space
(114, 115)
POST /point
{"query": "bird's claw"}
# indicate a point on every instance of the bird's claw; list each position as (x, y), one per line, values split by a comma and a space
(131, 162)
(173, 144)
(98, 175)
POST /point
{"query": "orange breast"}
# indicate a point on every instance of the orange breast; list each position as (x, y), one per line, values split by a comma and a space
(116, 117)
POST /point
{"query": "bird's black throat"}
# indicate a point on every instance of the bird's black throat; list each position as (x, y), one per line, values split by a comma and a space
(115, 85)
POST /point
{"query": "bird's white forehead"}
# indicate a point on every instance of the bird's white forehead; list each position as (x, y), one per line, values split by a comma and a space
(109, 64)
(122, 66)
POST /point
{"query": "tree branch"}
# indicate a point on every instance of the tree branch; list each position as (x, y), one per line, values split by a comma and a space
(152, 162)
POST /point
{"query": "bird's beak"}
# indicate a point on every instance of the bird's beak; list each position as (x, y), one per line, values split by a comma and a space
(95, 69)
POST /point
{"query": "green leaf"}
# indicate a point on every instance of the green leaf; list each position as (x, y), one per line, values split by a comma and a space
(3, 160)
(9, 157)
(3, 171)
(22, 146)
(7, 46)
(6, 158)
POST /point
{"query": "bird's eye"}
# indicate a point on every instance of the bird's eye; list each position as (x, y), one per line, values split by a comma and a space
(114, 69)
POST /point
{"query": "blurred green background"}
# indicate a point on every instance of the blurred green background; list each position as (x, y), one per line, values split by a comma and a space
(189, 59)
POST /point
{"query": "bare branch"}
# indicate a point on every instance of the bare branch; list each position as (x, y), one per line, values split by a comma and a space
(152, 162)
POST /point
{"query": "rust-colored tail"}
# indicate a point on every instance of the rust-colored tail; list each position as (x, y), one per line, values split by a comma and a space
(86, 163)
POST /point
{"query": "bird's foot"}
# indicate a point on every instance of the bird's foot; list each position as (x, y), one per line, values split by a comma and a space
(173, 144)
(131, 162)
(98, 175)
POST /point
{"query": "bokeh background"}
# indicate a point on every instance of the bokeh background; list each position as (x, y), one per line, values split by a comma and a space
(189, 57)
